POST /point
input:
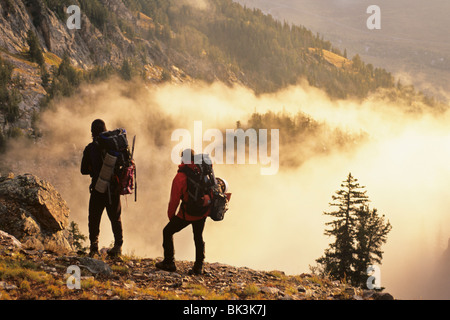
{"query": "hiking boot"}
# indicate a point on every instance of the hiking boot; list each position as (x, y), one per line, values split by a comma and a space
(93, 250)
(196, 269)
(93, 253)
(114, 251)
(166, 266)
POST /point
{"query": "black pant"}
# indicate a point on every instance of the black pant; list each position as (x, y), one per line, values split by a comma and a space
(97, 203)
(177, 224)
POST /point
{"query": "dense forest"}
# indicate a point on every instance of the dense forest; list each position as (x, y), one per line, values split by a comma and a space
(272, 54)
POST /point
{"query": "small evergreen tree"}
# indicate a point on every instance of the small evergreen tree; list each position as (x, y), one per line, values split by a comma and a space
(35, 51)
(77, 236)
(358, 232)
(371, 234)
(45, 77)
(126, 72)
(339, 256)
(66, 70)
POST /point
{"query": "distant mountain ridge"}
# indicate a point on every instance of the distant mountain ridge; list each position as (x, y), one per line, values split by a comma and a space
(413, 42)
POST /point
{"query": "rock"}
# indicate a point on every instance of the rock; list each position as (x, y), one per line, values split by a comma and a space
(382, 296)
(34, 212)
(43, 201)
(6, 286)
(367, 294)
(9, 241)
(301, 289)
(95, 266)
(270, 290)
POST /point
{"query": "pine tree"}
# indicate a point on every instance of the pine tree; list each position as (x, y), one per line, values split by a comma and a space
(34, 48)
(126, 70)
(77, 237)
(358, 231)
(338, 258)
(371, 234)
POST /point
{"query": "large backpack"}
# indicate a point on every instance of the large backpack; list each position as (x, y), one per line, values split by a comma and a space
(118, 164)
(203, 182)
(199, 184)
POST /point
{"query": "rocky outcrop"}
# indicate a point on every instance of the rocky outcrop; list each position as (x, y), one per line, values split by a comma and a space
(17, 17)
(34, 212)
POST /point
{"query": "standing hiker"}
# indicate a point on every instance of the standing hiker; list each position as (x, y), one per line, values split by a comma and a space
(186, 215)
(91, 164)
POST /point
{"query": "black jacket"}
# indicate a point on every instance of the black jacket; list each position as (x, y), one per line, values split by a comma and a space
(92, 162)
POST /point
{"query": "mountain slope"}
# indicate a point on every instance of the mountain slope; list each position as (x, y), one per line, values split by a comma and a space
(413, 41)
(167, 40)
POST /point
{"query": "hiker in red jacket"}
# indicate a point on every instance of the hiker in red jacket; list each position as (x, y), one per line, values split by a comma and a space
(180, 220)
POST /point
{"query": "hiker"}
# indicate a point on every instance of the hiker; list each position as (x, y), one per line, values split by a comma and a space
(182, 219)
(91, 164)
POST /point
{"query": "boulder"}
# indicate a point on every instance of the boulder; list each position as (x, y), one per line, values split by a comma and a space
(95, 266)
(34, 212)
(8, 241)
(382, 296)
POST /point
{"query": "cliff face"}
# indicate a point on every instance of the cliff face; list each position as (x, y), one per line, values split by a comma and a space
(86, 48)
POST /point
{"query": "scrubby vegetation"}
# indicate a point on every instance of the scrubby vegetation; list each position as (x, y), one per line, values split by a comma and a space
(10, 96)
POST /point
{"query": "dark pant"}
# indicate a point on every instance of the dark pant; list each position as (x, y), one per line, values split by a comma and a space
(177, 224)
(97, 203)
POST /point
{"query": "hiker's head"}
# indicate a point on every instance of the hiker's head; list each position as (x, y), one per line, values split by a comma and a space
(98, 126)
(187, 156)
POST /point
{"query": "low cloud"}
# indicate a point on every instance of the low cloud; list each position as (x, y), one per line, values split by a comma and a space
(275, 221)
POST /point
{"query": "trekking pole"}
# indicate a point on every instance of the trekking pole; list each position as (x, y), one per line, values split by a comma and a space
(132, 148)
(135, 182)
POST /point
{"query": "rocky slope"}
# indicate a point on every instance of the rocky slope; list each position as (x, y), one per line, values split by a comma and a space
(42, 274)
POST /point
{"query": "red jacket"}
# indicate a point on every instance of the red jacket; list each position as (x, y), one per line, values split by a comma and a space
(179, 193)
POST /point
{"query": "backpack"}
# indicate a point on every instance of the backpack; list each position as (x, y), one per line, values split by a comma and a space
(118, 164)
(199, 184)
(220, 200)
(203, 182)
